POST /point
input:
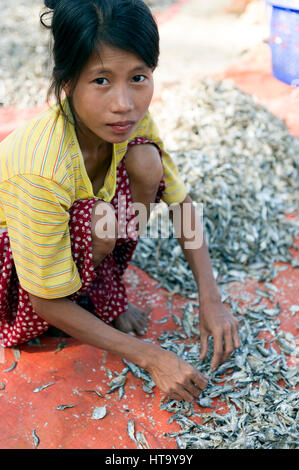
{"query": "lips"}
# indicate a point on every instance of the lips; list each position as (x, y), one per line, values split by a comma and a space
(121, 123)
(121, 126)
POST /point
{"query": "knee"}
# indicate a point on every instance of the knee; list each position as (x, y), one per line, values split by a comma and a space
(103, 228)
(144, 166)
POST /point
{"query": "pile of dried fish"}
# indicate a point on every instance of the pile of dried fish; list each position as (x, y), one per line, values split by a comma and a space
(25, 65)
(241, 164)
(256, 384)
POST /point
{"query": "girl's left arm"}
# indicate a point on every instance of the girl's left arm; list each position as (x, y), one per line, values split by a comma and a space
(215, 318)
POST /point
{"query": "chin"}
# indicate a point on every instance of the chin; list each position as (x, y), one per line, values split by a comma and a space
(118, 139)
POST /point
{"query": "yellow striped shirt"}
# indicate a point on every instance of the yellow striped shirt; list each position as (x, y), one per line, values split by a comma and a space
(42, 173)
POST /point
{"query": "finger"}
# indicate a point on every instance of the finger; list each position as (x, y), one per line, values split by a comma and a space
(184, 394)
(175, 396)
(200, 380)
(193, 389)
(203, 345)
(228, 343)
(236, 339)
(218, 351)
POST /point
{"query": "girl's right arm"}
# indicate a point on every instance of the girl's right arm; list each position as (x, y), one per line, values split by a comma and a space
(171, 374)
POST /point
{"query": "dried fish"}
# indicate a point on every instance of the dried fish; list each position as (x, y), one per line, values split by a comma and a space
(121, 392)
(36, 439)
(163, 320)
(34, 342)
(17, 354)
(94, 391)
(117, 382)
(261, 413)
(141, 440)
(12, 367)
(148, 385)
(38, 389)
(137, 371)
(99, 412)
(205, 402)
(63, 407)
(294, 309)
(60, 346)
(176, 319)
(131, 430)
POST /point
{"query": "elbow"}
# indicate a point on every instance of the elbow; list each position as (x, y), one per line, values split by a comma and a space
(40, 305)
(36, 302)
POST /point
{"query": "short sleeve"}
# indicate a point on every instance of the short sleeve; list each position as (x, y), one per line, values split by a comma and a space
(36, 211)
(175, 189)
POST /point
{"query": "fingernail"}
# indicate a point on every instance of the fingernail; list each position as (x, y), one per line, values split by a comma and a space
(132, 333)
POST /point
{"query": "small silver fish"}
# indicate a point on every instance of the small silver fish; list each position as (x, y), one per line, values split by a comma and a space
(99, 412)
(141, 441)
(131, 430)
(17, 354)
(63, 407)
(12, 367)
(117, 382)
(38, 389)
(36, 439)
(94, 391)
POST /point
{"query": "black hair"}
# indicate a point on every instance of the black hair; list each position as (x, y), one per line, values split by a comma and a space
(79, 27)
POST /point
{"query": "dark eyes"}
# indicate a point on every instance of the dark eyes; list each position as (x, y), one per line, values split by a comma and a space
(103, 81)
(139, 78)
(100, 81)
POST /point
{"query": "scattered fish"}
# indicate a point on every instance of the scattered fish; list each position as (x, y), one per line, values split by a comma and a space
(131, 430)
(63, 407)
(141, 441)
(116, 383)
(17, 354)
(36, 439)
(94, 391)
(12, 367)
(38, 389)
(34, 342)
(163, 320)
(294, 309)
(99, 412)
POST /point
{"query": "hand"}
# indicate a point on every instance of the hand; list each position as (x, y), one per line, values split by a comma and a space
(217, 321)
(176, 378)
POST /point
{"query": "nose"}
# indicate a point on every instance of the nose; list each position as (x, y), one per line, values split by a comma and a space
(121, 101)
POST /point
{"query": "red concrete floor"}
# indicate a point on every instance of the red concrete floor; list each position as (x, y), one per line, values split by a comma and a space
(77, 367)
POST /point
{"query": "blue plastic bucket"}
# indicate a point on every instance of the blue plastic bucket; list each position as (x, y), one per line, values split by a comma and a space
(284, 40)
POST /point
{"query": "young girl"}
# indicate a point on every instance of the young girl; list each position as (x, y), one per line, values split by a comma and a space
(74, 163)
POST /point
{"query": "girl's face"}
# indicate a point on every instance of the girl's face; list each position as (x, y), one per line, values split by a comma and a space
(111, 96)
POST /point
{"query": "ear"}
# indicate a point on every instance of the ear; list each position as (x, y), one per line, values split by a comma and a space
(67, 88)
